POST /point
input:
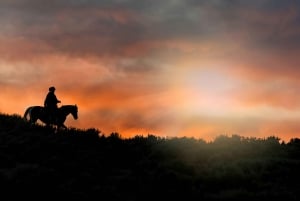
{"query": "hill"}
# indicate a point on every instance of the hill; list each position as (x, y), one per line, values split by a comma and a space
(40, 164)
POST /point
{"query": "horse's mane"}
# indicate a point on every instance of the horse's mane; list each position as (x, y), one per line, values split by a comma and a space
(68, 106)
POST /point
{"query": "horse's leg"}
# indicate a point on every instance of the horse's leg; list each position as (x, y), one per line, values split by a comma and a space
(62, 126)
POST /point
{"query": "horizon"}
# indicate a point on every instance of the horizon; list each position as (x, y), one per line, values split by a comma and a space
(173, 69)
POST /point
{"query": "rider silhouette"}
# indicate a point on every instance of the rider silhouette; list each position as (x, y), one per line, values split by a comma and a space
(50, 103)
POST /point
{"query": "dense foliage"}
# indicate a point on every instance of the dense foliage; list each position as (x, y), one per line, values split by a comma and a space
(39, 163)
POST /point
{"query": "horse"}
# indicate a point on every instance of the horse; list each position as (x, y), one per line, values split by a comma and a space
(34, 113)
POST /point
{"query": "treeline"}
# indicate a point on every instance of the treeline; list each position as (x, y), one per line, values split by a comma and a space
(77, 164)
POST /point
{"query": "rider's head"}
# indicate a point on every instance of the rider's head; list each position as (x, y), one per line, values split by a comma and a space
(52, 89)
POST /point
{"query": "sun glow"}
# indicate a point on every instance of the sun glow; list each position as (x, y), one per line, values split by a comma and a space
(207, 92)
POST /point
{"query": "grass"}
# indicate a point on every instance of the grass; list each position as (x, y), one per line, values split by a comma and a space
(38, 163)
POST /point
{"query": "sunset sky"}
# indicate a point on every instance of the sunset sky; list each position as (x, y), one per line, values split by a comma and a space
(191, 68)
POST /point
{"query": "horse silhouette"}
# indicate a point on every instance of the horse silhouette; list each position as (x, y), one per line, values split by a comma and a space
(34, 113)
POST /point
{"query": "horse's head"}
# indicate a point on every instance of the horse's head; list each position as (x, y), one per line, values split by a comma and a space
(74, 112)
(69, 109)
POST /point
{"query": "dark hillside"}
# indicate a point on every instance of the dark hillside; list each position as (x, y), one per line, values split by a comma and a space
(39, 164)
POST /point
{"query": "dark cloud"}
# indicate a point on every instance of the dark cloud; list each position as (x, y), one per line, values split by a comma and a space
(129, 34)
(110, 27)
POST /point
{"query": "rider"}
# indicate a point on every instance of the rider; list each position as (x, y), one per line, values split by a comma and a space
(50, 103)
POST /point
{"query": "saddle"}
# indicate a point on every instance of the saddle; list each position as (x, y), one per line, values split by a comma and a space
(51, 114)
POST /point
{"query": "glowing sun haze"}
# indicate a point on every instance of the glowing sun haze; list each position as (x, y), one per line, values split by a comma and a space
(169, 68)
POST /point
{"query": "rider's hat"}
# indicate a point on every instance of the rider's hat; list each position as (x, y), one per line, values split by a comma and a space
(51, 88)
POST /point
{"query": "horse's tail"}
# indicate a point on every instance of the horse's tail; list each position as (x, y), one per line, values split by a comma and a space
(27, 114)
